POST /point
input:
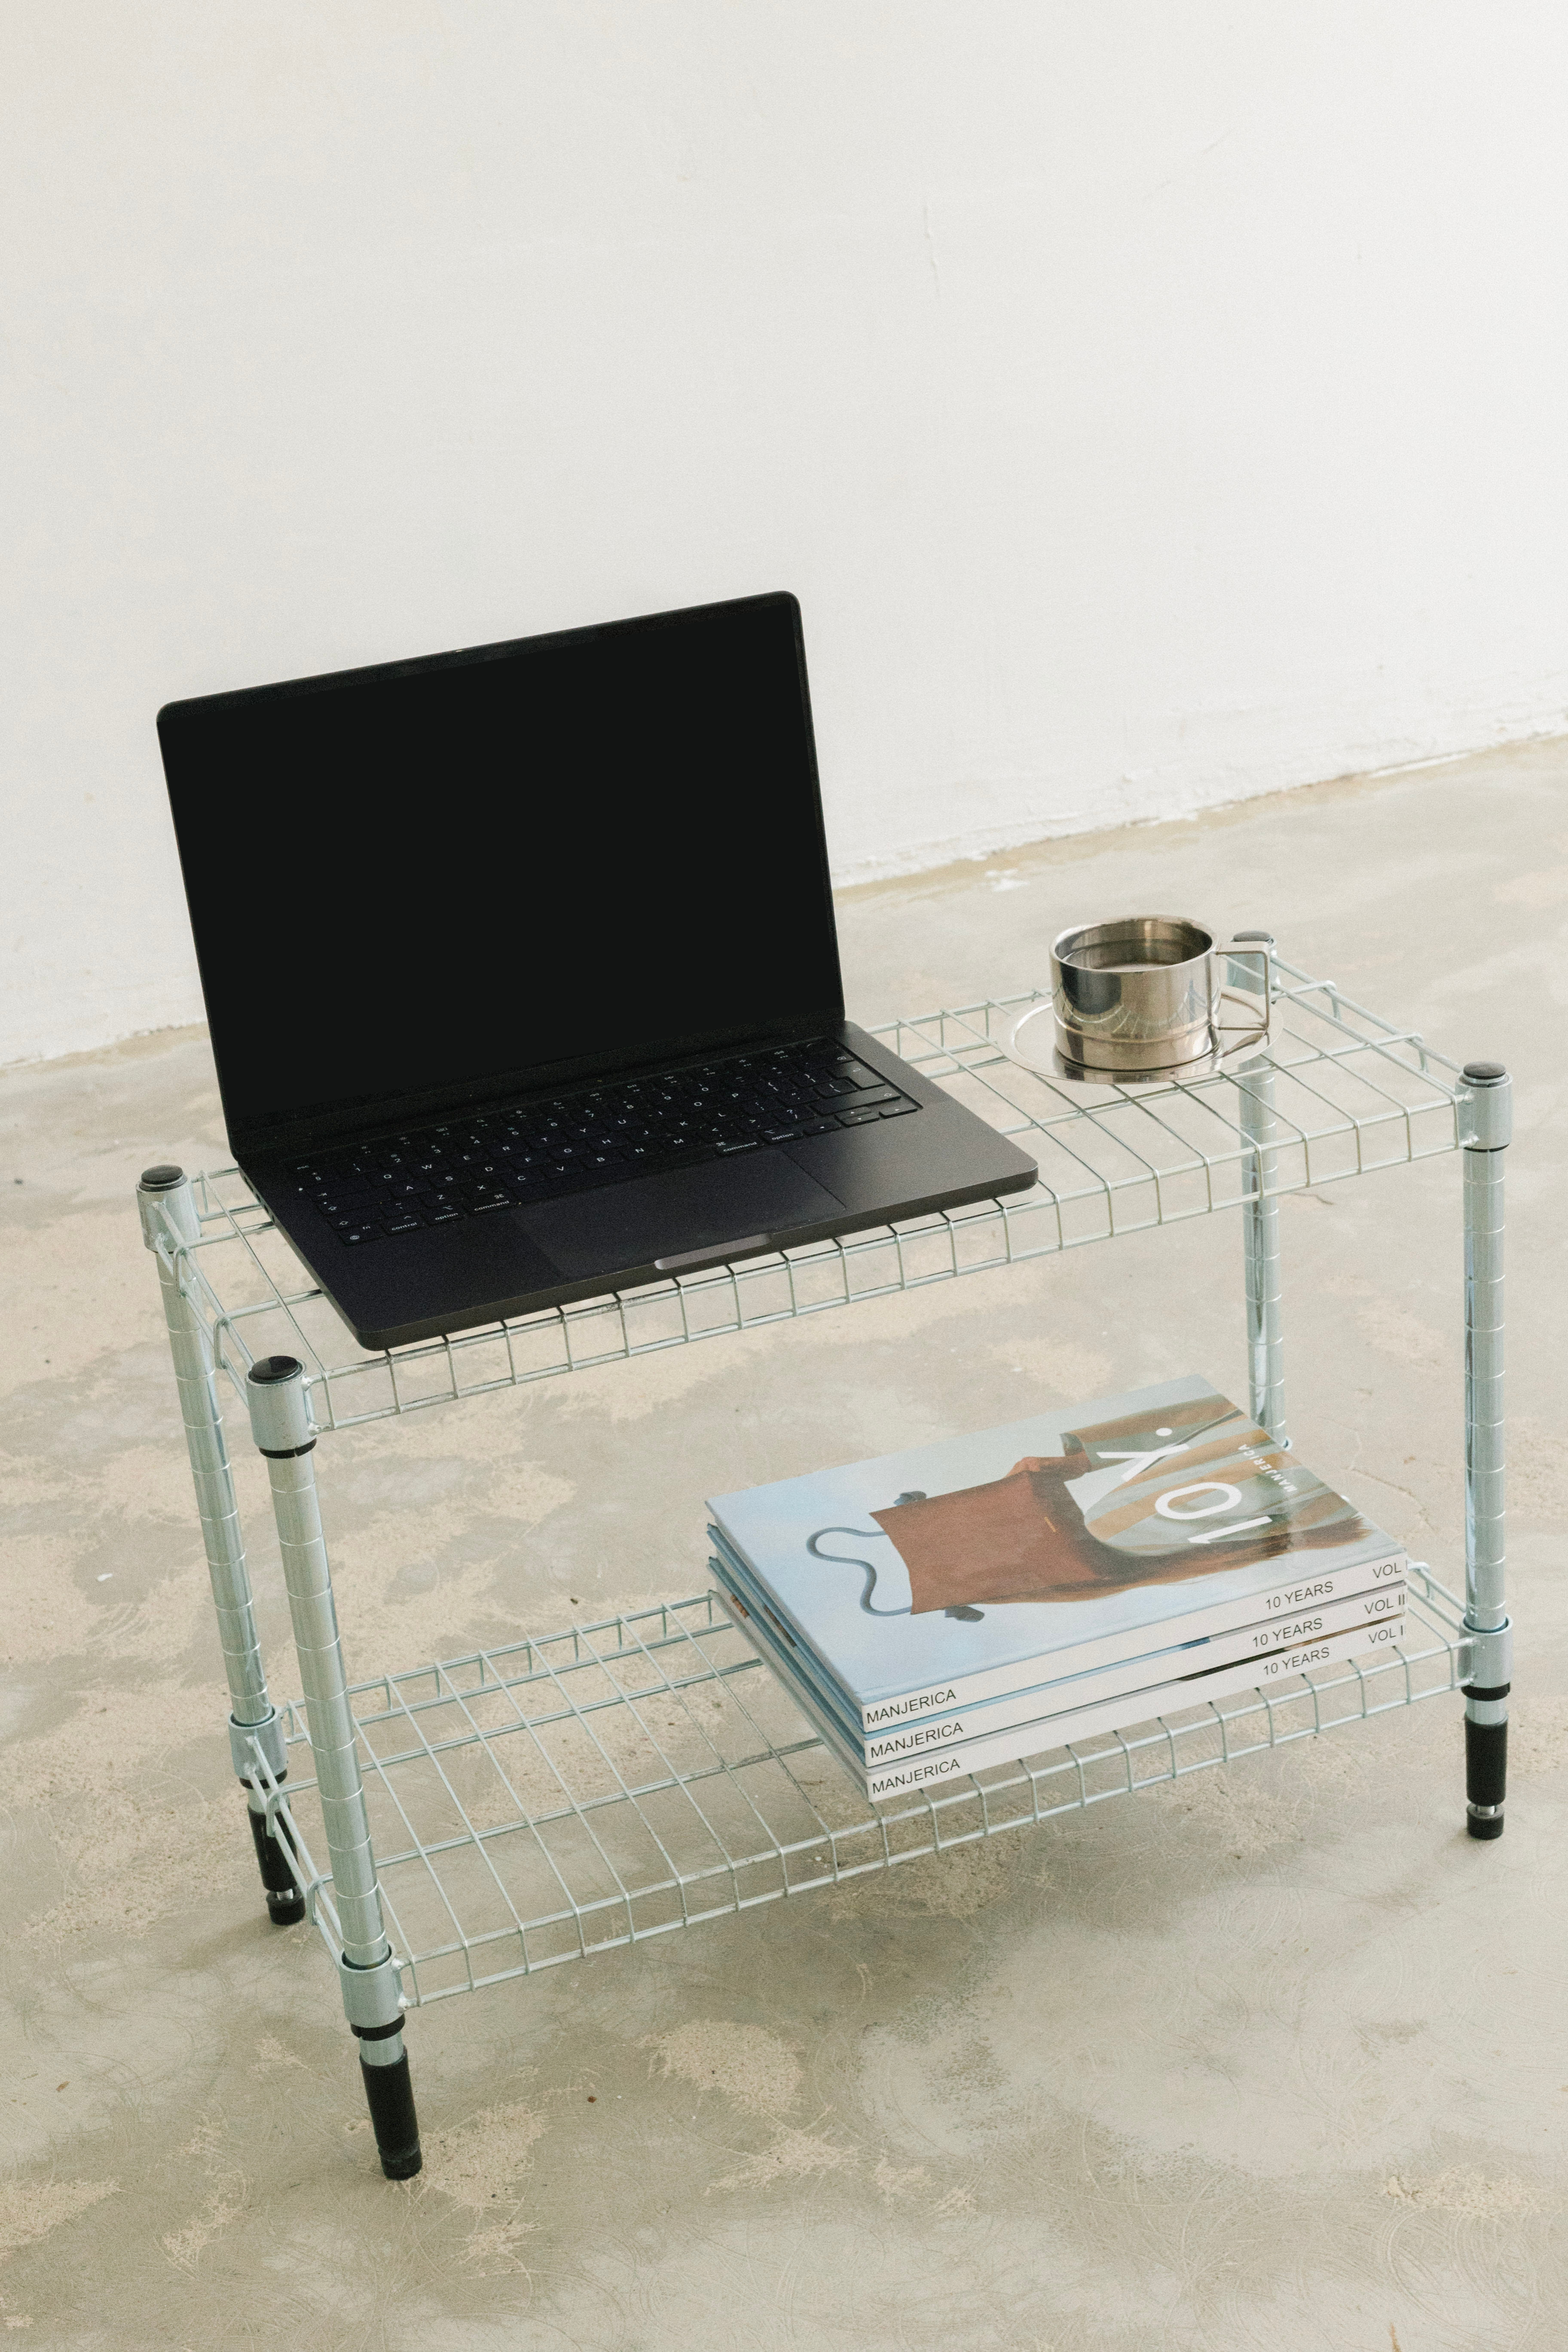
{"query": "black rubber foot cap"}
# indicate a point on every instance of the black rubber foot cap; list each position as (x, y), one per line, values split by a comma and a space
(286, 1910)
(391, 2097)
(1483, 1829)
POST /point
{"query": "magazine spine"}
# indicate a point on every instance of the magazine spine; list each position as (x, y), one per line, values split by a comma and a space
(1252, 1642)
(1286, 1598)
(1133, 1708)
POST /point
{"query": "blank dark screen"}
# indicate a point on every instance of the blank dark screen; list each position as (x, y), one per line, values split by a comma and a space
(531, 861)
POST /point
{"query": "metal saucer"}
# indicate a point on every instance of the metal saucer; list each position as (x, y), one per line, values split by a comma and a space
(1046, 1060)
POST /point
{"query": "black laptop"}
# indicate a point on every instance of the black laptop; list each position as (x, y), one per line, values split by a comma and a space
(521, 974)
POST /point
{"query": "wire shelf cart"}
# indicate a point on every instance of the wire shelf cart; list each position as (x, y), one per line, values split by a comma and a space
(492, 1815)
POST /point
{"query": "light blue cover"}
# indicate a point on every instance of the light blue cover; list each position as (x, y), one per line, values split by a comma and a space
(883, 1652)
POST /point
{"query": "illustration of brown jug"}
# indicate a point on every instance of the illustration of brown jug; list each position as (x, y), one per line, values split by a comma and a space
(1129, 1502)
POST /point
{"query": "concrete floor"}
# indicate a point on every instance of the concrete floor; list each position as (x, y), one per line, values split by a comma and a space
(1270, 2059)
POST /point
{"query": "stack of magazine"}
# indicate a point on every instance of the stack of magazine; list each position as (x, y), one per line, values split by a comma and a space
(986, 1598)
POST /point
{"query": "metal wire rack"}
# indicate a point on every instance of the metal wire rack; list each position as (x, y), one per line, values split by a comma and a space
(1349, 1093)
(626, 1779)
(514, 1809)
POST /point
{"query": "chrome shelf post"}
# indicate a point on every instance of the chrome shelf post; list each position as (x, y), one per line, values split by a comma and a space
(1486, 1126)
(1260, 1229)
(368, 1976)
(168, 1210)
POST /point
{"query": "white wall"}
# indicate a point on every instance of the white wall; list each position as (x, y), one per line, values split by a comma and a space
(1149, 404)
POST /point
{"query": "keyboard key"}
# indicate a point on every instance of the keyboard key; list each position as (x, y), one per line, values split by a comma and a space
(404, 1221)
(874, 1095)
(856, 1118)
(440, 1213)
(357, 1233)
(896, 1110)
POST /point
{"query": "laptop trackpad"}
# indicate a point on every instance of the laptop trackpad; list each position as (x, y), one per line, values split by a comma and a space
(686, 1211)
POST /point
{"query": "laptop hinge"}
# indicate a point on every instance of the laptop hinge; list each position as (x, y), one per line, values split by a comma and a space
(326, 1130)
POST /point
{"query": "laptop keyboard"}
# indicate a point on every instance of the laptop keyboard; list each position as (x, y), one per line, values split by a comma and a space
(474, 1167)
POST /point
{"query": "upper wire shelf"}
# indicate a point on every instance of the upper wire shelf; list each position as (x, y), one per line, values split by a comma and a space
(1351, 1093)
(621, 1781)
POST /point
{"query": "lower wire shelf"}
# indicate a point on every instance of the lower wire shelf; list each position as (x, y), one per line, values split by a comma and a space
(559, 1797)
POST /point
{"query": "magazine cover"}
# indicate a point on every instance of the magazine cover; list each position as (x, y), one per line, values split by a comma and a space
(970, 1562)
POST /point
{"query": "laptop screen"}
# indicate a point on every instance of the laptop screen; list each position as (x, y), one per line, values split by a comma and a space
(437, 881)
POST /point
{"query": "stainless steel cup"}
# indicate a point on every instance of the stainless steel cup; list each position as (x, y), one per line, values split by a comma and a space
(1143, 994)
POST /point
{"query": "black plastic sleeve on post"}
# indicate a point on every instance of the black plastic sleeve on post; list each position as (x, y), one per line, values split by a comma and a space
(1486, 1776)
(389, 2093)
(285, 1904)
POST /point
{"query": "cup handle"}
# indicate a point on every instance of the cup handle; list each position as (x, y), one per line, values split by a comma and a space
(1240, 950)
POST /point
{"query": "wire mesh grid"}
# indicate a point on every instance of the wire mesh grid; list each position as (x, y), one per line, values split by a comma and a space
(626, 1779)
(1351, 1093)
